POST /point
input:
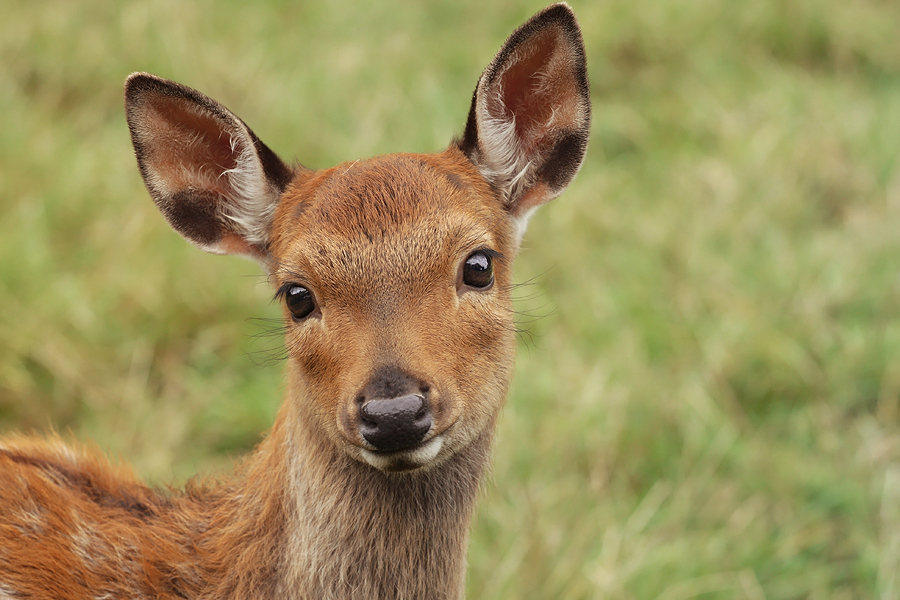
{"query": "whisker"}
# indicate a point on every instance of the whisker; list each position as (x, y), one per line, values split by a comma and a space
(270, 329)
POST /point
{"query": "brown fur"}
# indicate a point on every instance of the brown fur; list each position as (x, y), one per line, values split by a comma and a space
(380, 244)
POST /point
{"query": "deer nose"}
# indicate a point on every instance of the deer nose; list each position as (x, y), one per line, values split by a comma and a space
(394, 424)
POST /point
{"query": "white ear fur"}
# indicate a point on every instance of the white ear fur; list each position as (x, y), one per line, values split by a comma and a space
(504, 158)
(250, 204)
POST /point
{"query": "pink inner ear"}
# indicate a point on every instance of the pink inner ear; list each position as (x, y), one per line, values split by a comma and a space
(529, 88)
(193, 147)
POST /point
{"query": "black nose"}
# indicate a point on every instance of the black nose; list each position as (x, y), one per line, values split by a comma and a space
(393, 424)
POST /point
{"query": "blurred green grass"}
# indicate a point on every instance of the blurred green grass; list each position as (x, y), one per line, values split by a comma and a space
(708, 396)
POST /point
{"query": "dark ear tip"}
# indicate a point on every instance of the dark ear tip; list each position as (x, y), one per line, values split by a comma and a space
(139, 83)
(133, 85)
(138, 80)
(560, 13)
(559, 8)
(138, 75)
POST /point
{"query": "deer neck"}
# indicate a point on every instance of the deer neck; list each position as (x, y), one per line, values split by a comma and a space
(323, 525)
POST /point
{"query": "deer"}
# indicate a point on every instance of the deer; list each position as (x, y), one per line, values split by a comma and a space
(394, 277)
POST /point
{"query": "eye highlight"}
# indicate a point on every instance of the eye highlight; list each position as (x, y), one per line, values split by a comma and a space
(298, 299)
(478, 270)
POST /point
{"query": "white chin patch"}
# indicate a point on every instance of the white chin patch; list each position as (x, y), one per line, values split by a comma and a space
(407, 460)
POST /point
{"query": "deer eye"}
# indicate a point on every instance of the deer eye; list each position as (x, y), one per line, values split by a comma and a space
(299, 300)
(478, 270)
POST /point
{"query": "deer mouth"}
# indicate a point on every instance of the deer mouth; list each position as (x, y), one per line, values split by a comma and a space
(404, 460)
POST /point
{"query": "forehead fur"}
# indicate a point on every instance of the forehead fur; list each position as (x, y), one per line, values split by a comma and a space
(375, 197)
(393, 205)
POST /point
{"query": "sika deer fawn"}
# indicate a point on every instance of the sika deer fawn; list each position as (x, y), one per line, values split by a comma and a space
(394, 273)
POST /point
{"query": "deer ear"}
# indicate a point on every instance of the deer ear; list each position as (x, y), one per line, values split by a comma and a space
(215, 182)
(528, 126)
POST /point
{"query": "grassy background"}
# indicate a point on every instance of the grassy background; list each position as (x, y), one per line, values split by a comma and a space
(708, 405)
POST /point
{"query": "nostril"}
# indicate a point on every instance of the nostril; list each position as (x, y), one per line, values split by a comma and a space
(422, 411)
(394, 424)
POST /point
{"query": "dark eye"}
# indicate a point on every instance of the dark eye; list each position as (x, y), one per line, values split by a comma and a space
(478, 270)
(299, 301)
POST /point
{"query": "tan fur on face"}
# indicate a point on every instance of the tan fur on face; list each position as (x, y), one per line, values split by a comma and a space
(380, 250)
